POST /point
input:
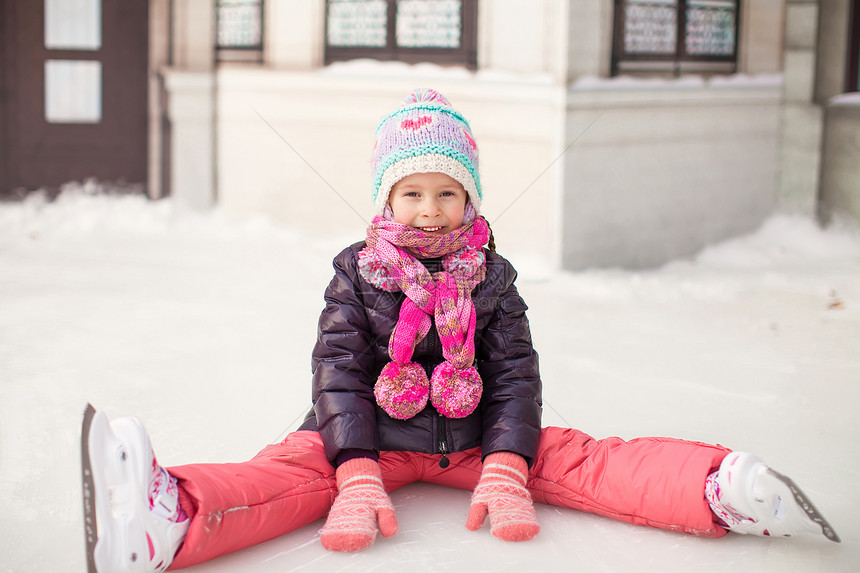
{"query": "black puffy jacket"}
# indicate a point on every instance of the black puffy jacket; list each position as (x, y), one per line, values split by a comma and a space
(352, 349)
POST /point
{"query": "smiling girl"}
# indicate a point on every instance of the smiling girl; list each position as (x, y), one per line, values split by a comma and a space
(423, 370)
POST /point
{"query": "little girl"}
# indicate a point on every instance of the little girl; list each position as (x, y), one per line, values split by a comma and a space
(423, 370)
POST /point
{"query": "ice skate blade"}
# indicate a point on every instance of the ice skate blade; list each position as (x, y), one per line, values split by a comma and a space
(807, 506)
(88, 491)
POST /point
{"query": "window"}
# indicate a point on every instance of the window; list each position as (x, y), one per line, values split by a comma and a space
(73, 25)
(73, 81)
(440, 31)
(239, 32)
(73, 91)
(675, 36)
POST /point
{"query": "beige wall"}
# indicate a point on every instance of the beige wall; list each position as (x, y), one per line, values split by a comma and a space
(296, 147)
(321, 179)
(663, 172)
(832, 50)
(762, 36)
(188, 83)
(159, 46)
(801, 121)
(533, 40)
(590, 38)
(294, 34)
(840, 170)
(819, 169)
(839, 189)
(656, 158)
(194, 35)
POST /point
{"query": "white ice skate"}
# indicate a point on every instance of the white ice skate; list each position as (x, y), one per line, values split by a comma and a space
(131, 513)
(765, 501)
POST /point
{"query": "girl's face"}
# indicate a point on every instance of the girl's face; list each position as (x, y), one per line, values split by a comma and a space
(432, 202)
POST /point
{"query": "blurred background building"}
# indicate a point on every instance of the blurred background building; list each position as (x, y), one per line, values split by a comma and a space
(612, 132)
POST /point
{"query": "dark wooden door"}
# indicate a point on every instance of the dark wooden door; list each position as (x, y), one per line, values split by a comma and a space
(73, 92)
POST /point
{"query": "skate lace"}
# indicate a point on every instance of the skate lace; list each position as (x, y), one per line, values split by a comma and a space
(722, 508)
(164, 495)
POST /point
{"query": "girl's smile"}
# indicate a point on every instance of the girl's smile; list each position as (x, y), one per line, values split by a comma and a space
(431, 202)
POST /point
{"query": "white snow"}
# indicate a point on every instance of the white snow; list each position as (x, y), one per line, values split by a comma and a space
(747, 80)
(203, 326)
(430, 72)
(589, 83)
(686, 81)
(376, 68)
(850, 98)
(427, 71)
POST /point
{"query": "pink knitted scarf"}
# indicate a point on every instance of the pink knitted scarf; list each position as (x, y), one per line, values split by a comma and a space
(390, 262)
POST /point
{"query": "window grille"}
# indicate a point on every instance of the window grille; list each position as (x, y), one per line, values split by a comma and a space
(440, 31)
(357, 24)
(675, 36)
(239, 30)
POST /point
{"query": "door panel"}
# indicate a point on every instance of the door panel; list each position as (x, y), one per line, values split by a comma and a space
(93, 121)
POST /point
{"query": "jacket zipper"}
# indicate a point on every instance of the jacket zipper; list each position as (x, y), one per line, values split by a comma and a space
(443, 442)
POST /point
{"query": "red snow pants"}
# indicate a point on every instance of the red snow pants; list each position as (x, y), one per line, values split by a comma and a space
(657, 482)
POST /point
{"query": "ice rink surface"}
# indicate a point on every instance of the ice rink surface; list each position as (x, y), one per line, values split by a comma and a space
(203, 327)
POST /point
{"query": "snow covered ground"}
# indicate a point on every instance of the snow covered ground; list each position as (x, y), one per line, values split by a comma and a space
(203, 327)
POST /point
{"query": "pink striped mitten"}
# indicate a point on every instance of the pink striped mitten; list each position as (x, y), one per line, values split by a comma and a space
(361, 501)
(501, 492)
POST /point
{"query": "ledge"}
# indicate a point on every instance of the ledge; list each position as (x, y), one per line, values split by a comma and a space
(691, 90)
(395, 79)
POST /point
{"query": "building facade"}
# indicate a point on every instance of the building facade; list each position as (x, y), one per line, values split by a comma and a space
(612, 132)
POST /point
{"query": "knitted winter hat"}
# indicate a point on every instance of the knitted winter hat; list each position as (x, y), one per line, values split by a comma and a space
(425, 135)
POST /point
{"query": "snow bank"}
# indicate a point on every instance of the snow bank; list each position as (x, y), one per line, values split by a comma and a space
(781, 241)
(787, 254)
(93, 207)
(90, 207)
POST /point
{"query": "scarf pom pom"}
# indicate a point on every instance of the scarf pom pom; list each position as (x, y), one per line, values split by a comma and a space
(402, 389)
(455, 392)
(373, 270)
(465, 262)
